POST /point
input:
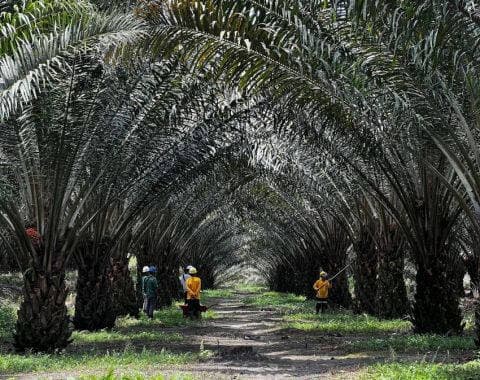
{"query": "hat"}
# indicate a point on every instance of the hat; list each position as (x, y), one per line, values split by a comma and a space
(192, 270)
(153, 269)
(145, 269)
(323, 274)
(188, 267)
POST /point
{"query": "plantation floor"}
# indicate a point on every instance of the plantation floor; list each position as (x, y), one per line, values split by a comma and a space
(248, 340)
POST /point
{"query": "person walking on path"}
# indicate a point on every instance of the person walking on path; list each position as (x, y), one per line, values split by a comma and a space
(184, 276)
(322, 287)
(194, 287)
(145, 273)
(151, 287)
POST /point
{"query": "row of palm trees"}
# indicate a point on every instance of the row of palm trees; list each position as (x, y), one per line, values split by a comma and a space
(337, 126)
(92, 152)
(387, 95)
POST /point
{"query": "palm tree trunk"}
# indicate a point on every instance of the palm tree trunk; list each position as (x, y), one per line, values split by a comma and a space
(94, 307)
(365, 274)
(436, 308)
(42, 323)
(166, 293)
(124, 296)
(391, 298)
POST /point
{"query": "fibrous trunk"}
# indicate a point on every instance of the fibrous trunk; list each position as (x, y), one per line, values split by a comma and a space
(168, 286)
(94, 308)
(391, 297)
(124, 297)
(42, 323)
(365, 274)
(436, 308)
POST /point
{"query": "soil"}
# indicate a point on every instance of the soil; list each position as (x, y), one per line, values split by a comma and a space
(249, 343)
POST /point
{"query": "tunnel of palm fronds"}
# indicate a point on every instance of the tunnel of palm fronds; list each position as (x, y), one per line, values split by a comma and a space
(269, 137)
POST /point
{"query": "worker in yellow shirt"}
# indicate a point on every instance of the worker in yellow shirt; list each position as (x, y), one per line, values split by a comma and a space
(194, 286)
(322, 287)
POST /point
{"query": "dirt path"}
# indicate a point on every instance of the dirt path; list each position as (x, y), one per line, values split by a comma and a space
(249, 343)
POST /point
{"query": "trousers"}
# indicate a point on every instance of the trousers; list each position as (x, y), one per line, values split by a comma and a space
(194, 308)
(150, 307)
(322, 305)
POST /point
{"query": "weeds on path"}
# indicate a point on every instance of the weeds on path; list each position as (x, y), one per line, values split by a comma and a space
(113, 376)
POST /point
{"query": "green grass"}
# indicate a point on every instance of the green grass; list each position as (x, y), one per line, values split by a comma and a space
(126, 336)
(414, 342)
(166, 317)
(12, 278)
(113, 376)
(12, 363)
(250, 288)
(344, 323)
(8, 316)
(423, 371)
(216, 293)
(276, 300)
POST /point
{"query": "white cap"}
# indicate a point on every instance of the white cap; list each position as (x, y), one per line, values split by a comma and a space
(188, 266)
(145, 269)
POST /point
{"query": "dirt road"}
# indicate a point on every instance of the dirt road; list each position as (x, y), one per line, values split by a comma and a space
(249, 343)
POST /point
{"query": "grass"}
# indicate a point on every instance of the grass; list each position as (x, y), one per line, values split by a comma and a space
(128, 340)
(126, 336)
(216, 293)
(423, 371)
(344, 323)
(276, 300)
(250, 288)
(166, 317)
(12, 363)
(414, 342)
(12, 278)
(112, 376)
(8, 316)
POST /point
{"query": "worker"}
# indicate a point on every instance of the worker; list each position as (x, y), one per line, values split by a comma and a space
(151, 286)
(183, 278)
(322, 287)
(145, 273)
(194, 287)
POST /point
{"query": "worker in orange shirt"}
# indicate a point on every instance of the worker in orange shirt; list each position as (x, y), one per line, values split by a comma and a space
(322, 287)
(194, 287)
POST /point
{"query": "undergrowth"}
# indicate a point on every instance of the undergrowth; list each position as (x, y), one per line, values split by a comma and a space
(423, 371)
(114, 375)
(12, 363)
(216, 293)
(8, 317)
(126, 336)
(344, 323)
(413, 342)
(279, 301)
